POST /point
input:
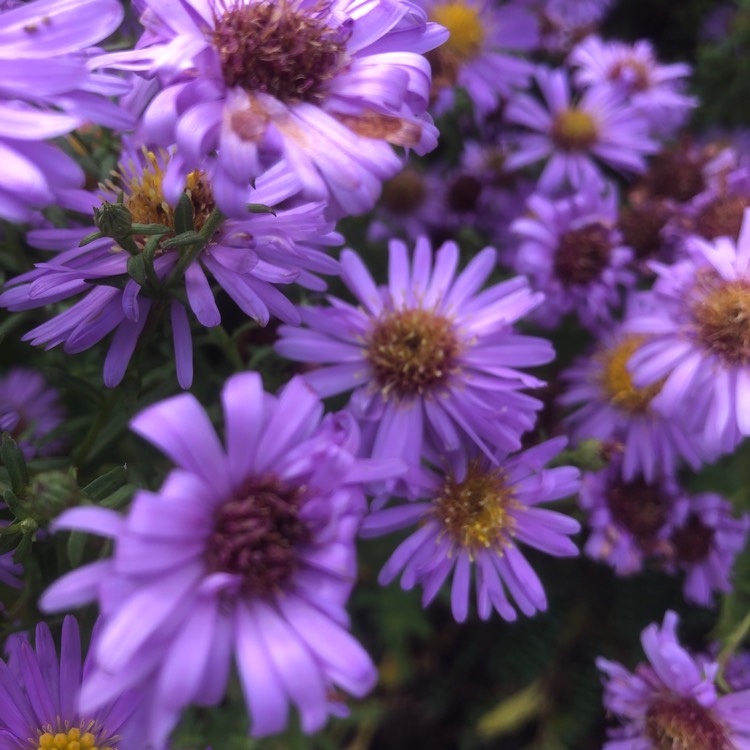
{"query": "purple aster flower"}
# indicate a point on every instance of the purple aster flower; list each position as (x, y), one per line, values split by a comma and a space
(247, 550)
(29, 411)
(10, 572)
(430, 357)
(634, 74)
(476, 53)
(49, 87)
(705, 542)
(38, 699)
(575, 137)
(715, 212)
(629, 521)
(699, 344)
(612, 409)
(672, 701)
(247, 257)
(477, 512)
(573, 253)
(327, 86)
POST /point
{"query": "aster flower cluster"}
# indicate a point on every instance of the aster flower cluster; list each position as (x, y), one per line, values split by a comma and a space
(295, 395)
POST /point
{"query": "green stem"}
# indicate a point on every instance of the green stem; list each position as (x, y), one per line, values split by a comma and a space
(213, 222)
(733, 642)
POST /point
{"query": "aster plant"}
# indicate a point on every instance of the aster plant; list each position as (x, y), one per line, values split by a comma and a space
(475, 512)
(325, 86)
(698, 344)
(49, 88)
(672, 701)
(128, 272)
(38, 699)
(255, 565)
(431, 359)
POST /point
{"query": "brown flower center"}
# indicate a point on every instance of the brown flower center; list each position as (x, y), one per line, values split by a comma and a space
(640, 508)
(281, 49)
(574, 130)
(412, 352)
(693, 541)
(681, 723)
(405, 193)
(641, 224)
(464, 193)
(617, 382)
(722, 217)
(722, 318)
(676, 173)
(257, 536)
(476, 512)
(582, 254)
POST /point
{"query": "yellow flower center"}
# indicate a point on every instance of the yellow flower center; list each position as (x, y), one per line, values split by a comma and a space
(476, 512)
(412, 352)
(722, 316)
(574, 130)
(465, 26)
(617, 382)
(71, 739)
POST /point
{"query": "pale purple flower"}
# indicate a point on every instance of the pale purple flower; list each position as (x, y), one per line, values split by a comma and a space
(611, 409)
(673, 700)
(705, 541)
(39, 694)
(576, 136)
(696, 320)
(30, 410)
(634, 74)
(245, 554)
(249, 258)
(573, 253)
(475, 514)
(476, 55)
(49, 87)
(325, 86)
(629, 522)
(430, 358)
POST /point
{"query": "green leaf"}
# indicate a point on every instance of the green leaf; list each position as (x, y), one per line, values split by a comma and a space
(15, 463)
(106, 484)
(260, 208)
(183, 215)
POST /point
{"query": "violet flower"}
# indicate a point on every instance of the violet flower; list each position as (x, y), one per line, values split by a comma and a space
(246, 553)
(325, 86)
(476, 513)
(430, 357)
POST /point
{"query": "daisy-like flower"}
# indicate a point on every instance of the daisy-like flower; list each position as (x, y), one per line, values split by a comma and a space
(634, 74)
(38, 699)
(29, 411)
(575, 137)
(476, 514)
(612, 409)
(247, 257)
(47, 89)
(573, 253)
(476, 53)
(245, 551)
(326, 85)
(699, 340)
(628, 521)
(673, 700)
(430, 357)
(705, 542)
